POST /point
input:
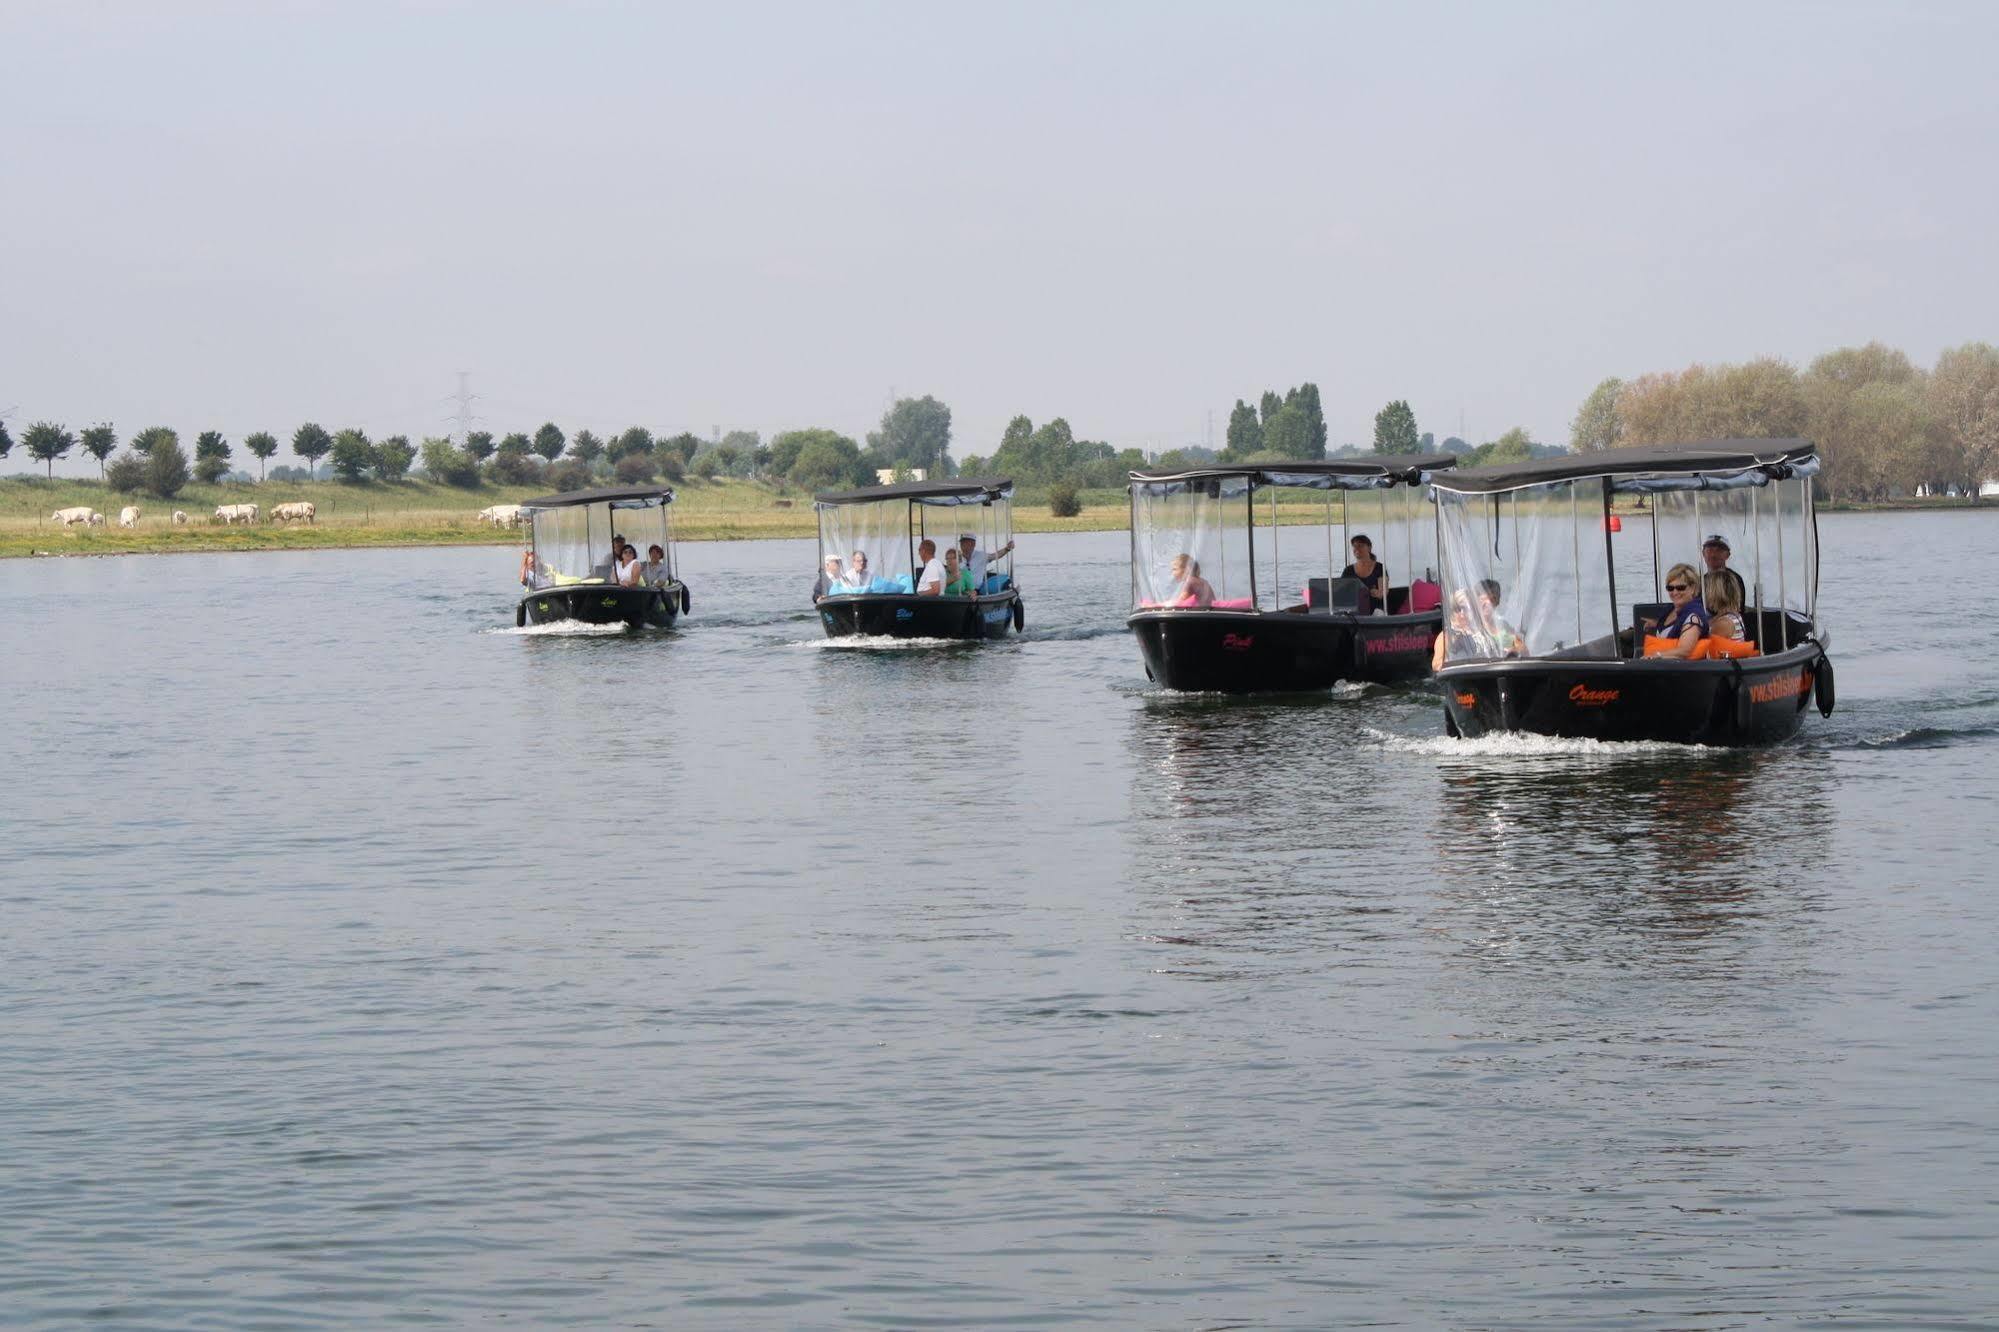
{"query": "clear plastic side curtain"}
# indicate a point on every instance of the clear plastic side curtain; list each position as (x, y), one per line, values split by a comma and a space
(1525, 572)
(562, 545)
(871, 541)
(1185, 531)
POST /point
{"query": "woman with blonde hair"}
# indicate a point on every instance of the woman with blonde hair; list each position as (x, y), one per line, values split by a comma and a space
(1687, 622)
(1724, 606)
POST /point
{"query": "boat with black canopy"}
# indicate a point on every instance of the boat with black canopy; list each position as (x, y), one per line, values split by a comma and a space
(569, 571)
(1552, 598)
(871, 560)
(1212, 549)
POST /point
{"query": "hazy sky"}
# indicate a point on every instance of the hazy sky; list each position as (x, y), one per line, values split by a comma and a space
(245, 216)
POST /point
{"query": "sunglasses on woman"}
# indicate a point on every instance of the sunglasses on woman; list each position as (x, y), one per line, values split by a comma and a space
(1679, 587)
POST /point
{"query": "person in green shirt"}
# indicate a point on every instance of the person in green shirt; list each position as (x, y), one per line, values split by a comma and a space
(957, 578)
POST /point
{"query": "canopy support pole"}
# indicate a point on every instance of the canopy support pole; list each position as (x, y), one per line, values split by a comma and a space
(1576, 553)
(1756, 555)
(1783, 587)
(1610, 565)
(1250, 499)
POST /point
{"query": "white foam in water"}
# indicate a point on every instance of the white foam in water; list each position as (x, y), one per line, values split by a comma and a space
(560, 629)
(1519, 745)
(871, 643)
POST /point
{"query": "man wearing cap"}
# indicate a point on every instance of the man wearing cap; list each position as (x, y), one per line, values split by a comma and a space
(1715, 552)
(974, 559)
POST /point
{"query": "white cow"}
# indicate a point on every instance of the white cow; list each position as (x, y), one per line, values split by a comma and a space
(501, 515)
(128, 516)
(233, 513)
(71, 517)
(96, 518)
(180, 518)
(281, 513)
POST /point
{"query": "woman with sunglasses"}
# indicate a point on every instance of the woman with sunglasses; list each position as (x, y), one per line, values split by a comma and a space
(1687, 621)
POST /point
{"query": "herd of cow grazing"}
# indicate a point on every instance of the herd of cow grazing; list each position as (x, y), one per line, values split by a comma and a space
(499, 515)
(227, 514)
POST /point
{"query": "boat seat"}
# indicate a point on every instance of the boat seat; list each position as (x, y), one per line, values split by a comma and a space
(1425, 595)
(1236, 603)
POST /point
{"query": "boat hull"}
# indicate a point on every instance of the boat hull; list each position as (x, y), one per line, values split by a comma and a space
(1754, 701)
(596, 603)
(902, 615)
(1243, 652)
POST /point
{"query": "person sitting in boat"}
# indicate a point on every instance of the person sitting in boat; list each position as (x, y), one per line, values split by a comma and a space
(608, 570)
(829, 580)
(930, 582)
(654, 573)
(1456, 640)
(976, 560)
(1714, 554)
(1502, 635)
(1687, 622)
(1723, 605)
(1188, 585)
(533, 571)
(1370, 571)
(957, 578)
(628, 566)
(857, 578)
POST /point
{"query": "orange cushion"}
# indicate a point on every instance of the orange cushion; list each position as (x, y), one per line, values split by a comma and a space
(1711, 649)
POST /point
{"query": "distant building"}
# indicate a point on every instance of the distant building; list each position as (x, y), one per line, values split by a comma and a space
(884, 475)
(1989, 490)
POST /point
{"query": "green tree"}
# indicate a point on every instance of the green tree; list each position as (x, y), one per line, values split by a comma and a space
(47, 442)
(1516, 445)
(151, 438)
(126, 474)
(682, 446)
(634, 469)
(1395, 429)
(1964, 400)
(742, 441)
(632, 440)
(1597, 424)
(515, 443)
(262, 444)
(353, 455)
(1305, 400)
(166, 469)
(6, 440)
(824, 459)
(478, 445)
(450, 465)
(784, 450)
(1245, 435)
(311, 442)
(1270, 406)
(98, 442)
(549, 441)
(1063, 501)
(586, 448)
(393, 457)
(1853, 437)
(915, 432)
(211, 457)
(1015, 455)
(1288, 435)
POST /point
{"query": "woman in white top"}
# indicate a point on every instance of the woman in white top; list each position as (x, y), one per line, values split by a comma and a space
(628, 567)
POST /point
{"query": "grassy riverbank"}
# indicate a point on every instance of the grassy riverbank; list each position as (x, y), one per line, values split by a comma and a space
(409, 513)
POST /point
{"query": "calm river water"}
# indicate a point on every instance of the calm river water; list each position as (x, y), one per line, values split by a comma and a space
(367, 963)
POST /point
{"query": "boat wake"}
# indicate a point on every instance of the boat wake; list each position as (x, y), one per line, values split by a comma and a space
(561, 629)
(1519, 746)
(868, 643)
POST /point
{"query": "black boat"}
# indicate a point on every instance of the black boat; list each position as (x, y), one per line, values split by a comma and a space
(1210, 607)
(1567, 657)
(871, 560)
(569, 573)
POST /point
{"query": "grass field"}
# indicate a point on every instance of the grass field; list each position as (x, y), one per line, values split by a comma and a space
(409, 513)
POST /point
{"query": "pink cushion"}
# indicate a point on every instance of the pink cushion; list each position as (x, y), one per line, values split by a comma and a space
(1424, 596)
(1240, 603)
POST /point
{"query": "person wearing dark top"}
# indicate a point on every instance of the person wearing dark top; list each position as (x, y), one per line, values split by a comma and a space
(1715, 553)
(1687, 621)
(829, 579)
(1370, 571)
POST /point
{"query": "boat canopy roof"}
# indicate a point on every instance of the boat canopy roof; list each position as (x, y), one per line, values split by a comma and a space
(1371, 472)
(957, 490)
(1708, 464)
(624, 497)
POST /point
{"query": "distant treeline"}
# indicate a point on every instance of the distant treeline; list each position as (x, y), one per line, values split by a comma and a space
(1884, 426)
